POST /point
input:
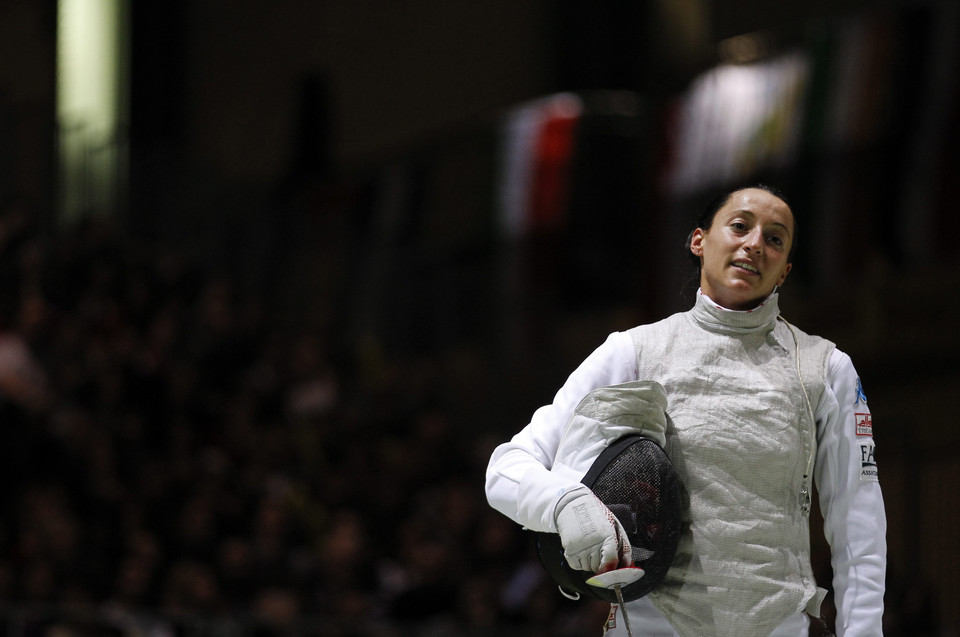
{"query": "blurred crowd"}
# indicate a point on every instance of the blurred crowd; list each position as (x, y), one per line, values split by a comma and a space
(180, 458)
(175, 457)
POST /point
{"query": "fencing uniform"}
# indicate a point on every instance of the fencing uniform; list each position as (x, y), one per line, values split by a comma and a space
(756, 410)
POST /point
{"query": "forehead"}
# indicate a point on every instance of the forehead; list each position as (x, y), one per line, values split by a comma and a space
(765, 207)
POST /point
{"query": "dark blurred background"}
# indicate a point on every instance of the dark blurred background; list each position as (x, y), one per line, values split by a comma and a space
(260, 331)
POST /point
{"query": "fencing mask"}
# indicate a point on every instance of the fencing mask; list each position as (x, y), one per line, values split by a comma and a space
(635, 479)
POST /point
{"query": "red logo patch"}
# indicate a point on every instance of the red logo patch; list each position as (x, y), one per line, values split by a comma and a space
(611, 619)
(864, 424)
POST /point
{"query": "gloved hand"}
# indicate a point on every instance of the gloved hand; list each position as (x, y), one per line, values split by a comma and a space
(592, 537)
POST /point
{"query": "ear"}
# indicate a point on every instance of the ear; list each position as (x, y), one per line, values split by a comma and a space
(783, 275)
(696, 242)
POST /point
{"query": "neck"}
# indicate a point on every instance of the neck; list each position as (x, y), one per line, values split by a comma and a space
(746, 307)
(716, 317)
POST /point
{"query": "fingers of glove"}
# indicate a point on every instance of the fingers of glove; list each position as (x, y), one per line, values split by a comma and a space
(586, 560)
(609, 554)
(591, 535)
(606, 554)
(616, 552)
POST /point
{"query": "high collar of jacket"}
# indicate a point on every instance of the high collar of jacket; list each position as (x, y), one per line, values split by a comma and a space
(716, 318)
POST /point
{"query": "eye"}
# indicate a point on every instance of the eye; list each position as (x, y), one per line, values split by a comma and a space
(739, 226)
(775, 240)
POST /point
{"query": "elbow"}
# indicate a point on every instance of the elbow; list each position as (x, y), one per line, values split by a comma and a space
(500, 490)
(500, 496)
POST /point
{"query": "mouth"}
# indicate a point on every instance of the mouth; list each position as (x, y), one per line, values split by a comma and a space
(749, 267)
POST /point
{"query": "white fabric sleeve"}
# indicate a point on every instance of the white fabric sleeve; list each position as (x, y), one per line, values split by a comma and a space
(851, 501)
(519, 482)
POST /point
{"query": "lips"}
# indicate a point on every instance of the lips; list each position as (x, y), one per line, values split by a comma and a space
(749, 267)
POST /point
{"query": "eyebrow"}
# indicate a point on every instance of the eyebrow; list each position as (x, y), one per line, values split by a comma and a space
(744, 211)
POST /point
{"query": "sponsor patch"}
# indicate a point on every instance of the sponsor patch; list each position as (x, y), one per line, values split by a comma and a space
(868, 462)
(864, 424)
(611, 619)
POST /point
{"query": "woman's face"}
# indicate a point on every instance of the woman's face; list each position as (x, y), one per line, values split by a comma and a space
(744, 254)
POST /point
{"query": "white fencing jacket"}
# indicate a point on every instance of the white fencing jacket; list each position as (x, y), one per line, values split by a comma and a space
(741, 436)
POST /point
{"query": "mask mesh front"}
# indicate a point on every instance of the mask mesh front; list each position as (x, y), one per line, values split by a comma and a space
(637, 482)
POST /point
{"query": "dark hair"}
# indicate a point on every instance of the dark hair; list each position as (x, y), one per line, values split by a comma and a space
(705, 220)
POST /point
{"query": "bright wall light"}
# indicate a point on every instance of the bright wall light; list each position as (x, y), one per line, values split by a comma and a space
(91, 88)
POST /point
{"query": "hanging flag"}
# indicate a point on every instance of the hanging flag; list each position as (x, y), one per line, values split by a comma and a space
(735, 120)
(537, 148)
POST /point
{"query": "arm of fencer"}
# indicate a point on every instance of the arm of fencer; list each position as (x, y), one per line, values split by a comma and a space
(851, 501)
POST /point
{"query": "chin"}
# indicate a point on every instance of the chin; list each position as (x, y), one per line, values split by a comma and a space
(745, 302)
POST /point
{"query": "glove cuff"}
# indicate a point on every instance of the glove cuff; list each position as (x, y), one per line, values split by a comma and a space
(568, 497)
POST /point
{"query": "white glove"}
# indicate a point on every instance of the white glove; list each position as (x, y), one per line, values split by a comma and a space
(592, 537)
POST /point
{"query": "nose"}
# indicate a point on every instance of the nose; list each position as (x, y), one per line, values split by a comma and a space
(753, 242)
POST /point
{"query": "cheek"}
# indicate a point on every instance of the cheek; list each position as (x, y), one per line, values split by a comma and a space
(783, 270)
